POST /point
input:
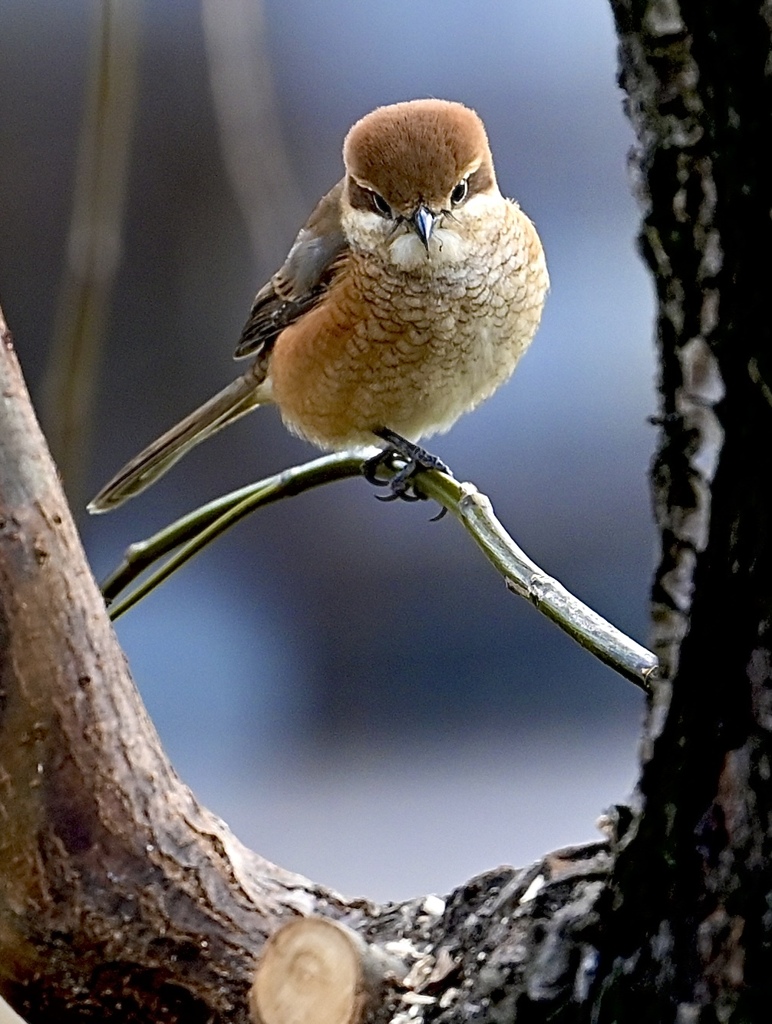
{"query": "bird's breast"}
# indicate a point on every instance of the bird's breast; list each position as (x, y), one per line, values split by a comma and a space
(412, 349)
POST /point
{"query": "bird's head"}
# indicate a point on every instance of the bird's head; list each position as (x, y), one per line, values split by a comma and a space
(416, 173)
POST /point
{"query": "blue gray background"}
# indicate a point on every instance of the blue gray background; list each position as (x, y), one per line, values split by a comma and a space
(349, 685)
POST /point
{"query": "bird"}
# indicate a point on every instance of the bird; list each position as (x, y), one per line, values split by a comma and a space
(406, 299)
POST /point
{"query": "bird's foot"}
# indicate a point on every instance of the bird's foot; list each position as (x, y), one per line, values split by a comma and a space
(404, 459)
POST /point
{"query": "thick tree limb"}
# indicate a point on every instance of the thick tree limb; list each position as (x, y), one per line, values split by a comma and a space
(117, 890)
(121, 898)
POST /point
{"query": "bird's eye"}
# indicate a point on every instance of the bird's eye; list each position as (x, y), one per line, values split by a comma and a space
(458, 195)
(380, 205)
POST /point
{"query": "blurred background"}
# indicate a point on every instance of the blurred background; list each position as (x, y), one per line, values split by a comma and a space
(348, 684)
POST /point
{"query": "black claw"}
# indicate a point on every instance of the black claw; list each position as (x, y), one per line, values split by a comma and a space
(413, 459)
(402, 496)
(435, 519)
(371, 467)
(400, 485)
(411, 453)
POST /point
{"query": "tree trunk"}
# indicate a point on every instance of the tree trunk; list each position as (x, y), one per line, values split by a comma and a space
(689, 938)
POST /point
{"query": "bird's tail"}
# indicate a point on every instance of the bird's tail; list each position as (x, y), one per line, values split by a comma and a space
(144, 469)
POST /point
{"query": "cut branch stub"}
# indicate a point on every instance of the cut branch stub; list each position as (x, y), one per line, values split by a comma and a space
(317, 971)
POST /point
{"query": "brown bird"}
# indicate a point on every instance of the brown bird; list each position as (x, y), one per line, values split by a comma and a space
(407, 299)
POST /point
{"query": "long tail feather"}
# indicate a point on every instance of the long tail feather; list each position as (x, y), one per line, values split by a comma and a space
(144, 469)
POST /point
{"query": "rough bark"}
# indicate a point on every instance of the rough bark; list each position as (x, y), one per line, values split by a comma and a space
(689, 938)
(119, 895)
(121, 898)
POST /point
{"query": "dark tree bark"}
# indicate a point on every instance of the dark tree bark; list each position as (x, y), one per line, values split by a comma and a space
(121, 898)
(689, 938)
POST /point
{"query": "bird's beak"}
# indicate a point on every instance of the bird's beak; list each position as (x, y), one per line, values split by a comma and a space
(423, 222)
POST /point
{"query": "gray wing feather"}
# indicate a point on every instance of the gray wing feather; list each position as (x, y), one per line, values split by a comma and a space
(316, 255)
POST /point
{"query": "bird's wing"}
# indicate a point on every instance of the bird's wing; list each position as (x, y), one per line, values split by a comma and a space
(316, 254)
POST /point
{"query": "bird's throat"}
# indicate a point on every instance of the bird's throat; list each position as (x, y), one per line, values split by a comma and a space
(407, 251)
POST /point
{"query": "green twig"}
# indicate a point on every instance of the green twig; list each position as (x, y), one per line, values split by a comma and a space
(194, 531)
(524, 577)
(474, 511)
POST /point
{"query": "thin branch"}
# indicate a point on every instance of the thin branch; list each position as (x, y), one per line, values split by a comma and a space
(524, 577)
(248, 122)
(94, 243)
(199, 528)
(474, 511)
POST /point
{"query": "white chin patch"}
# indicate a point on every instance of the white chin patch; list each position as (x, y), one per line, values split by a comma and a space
(408, 252)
